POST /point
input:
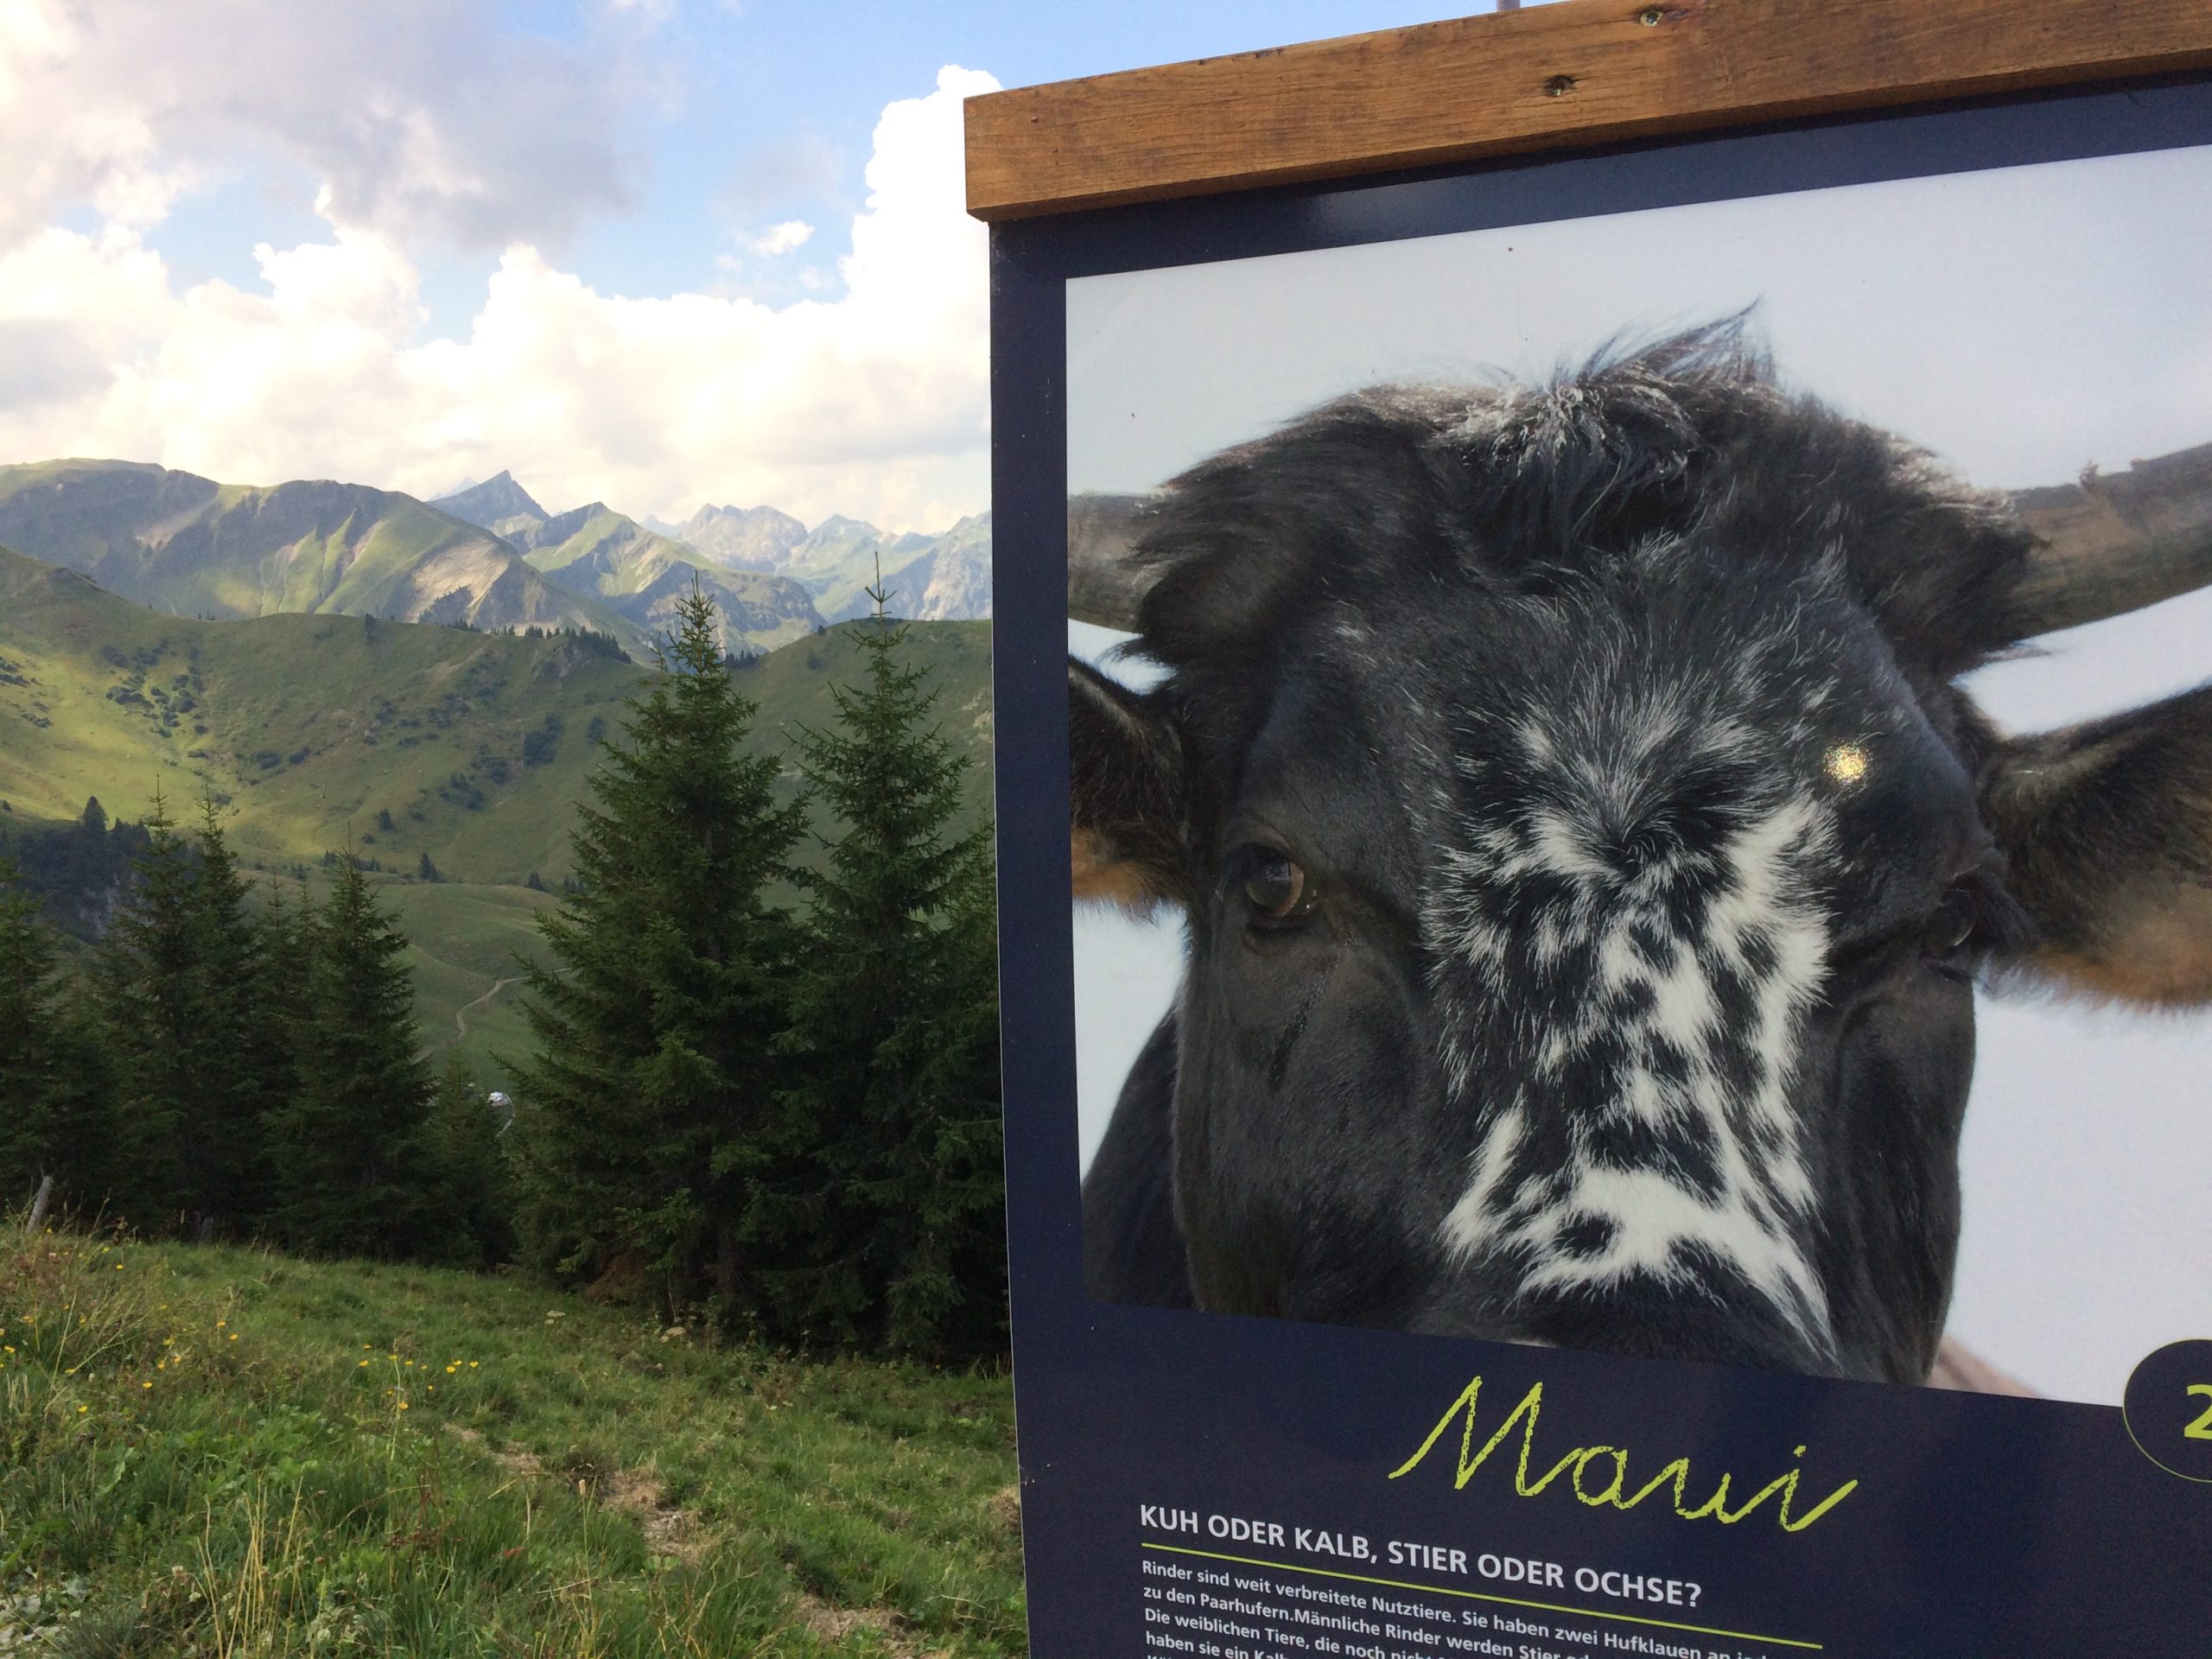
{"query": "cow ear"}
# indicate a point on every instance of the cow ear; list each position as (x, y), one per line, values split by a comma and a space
(2106, 830)
(1125, 778)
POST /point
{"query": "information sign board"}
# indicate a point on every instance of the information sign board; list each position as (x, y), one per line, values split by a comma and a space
(1548, 702)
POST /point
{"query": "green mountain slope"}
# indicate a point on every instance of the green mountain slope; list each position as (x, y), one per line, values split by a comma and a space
(641, 576)
(316, 732)
(191, 547)
(308, 729)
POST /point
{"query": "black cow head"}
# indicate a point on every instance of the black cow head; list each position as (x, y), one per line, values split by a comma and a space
(1588, 854)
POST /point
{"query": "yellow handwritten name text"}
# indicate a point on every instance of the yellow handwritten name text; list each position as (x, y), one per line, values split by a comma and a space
(1597, 1475)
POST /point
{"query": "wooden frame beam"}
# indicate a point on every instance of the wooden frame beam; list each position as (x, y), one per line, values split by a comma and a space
(1584, 72)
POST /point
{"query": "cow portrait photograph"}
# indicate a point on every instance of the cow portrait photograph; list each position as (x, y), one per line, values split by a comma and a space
(1643, 783)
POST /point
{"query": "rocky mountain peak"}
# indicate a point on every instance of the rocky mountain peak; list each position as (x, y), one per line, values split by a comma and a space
(742, 538)
(497, 501)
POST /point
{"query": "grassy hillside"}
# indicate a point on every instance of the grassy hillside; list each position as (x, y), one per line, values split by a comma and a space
(402, 740)
(209, 1451)
(795, 688)
(308, 731)
(311, 731)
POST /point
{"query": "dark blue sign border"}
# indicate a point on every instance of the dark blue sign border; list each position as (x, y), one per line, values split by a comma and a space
(1980, 1526)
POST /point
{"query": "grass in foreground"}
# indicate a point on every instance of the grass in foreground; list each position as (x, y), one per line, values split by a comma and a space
(225, 1452)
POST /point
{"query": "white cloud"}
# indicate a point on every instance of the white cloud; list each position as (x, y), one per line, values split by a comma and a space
(422, 118)
(873, 402)
(782, 238)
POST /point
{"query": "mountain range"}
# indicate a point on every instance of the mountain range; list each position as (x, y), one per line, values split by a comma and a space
(931, 578)
(178, 543)
(488, 556)
(751, 558)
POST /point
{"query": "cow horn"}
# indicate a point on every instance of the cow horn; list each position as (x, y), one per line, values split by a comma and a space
(2108, 545)
(1105, 580)
(2114, 544)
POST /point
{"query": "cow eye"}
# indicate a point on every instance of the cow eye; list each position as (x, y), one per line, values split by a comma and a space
(1271, 882)
(1952, 923)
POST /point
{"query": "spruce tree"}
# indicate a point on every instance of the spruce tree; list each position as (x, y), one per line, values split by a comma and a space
(177, 976)
(27, 1022)
(347, 1144)
(148, 985)
(639, 1118)
(56, 1113)
(467, 1221)
(284, 947)
(891, 1192)
(245, 1055)
(29, 1017)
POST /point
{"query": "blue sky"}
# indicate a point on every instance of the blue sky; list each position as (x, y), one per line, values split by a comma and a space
(750, 114)
(652, 251)
(771, 105)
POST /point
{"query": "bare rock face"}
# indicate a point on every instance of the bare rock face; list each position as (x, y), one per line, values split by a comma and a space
(499, 505)
(742, 538)
(960, 574)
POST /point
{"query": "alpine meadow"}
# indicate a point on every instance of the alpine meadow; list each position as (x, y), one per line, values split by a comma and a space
(485, 1111)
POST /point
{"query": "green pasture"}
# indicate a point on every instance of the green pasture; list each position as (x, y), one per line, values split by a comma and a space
(214, 1451)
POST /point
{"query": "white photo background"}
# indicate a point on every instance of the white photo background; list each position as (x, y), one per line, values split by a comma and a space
(2022, 323)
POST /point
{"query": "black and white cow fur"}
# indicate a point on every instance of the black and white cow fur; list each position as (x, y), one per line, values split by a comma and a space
(1588, 856)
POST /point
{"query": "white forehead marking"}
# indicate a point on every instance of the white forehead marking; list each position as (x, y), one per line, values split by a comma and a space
(1656, 1000)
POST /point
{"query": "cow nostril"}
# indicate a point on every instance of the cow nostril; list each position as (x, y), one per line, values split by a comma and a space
(1952, 922)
